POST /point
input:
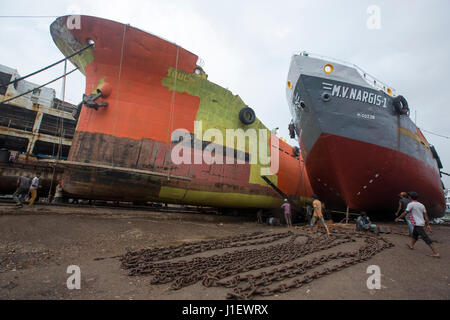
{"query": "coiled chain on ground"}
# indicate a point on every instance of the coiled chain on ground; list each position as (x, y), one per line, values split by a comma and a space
(233, 269)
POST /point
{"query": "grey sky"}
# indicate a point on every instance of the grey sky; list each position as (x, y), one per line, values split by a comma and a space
(247, 45)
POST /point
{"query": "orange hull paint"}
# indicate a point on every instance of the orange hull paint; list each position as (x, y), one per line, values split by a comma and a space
(141, 115)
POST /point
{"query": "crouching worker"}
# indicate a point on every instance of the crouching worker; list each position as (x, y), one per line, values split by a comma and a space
(363, 223)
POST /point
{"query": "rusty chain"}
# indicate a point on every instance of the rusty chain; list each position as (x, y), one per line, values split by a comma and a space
(157, 254)
(226, 269)
(259, 284)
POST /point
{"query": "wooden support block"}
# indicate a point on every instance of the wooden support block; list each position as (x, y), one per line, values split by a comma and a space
(346, 215)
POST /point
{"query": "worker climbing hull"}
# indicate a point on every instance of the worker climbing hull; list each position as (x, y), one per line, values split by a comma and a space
(124, 144)
(361, 148)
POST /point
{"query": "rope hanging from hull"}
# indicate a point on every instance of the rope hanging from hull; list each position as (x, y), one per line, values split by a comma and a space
(118, 88)
(172, 110)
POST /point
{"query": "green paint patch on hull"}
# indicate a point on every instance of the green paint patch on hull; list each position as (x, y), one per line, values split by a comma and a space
(101, 84)
(68, 44)
(218, 199)
(79, 60)
(219, 109)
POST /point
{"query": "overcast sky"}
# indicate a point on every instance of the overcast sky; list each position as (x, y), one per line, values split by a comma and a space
(247, 45)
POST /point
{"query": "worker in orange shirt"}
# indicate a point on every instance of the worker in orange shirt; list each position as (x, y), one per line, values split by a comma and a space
(317, 215)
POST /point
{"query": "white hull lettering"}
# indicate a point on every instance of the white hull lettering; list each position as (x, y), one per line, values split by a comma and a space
(358, 95)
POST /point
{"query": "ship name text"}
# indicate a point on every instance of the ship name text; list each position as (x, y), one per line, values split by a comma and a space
(350, 93)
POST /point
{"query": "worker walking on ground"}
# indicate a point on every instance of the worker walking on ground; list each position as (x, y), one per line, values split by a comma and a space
(287, 212)
(317, 215)
(402, 204)
(23, 187)
(33, 188)
(419, 219)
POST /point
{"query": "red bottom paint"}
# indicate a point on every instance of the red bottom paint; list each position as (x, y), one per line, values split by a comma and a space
(369, 177)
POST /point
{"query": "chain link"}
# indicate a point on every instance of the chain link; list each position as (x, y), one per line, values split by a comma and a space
(231, 269)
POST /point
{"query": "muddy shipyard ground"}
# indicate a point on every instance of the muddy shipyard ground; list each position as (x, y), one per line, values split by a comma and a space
(37, 245)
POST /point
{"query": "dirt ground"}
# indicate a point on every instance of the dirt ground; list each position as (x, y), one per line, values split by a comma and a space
(38, 244)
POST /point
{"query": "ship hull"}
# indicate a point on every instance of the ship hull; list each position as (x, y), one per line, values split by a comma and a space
(359, 151)
(153, 92)
(377, 174)
(10, 172)
(219, 185)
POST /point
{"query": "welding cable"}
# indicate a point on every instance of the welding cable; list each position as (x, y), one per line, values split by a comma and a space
(48, 67)
(29, 91)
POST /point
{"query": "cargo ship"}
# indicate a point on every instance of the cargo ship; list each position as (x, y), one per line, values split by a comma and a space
(140, 89)
(360, 146)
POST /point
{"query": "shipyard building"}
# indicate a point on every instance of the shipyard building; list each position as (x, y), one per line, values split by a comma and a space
(36, 123)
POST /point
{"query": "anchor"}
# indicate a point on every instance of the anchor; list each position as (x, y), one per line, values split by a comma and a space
(90, 100)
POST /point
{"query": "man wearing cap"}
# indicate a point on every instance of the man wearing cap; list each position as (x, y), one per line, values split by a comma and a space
(402, 204)
(419, 218)
(317, 215)
(287, 212)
